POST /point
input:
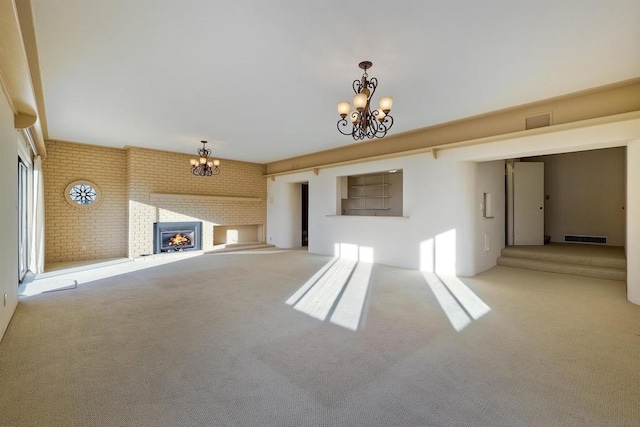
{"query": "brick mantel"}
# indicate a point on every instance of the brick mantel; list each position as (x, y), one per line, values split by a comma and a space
(190, 198)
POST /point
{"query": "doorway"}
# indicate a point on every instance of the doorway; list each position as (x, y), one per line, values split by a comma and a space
(304, 197)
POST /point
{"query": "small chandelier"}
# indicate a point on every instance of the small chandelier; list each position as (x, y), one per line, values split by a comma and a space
(366, 123)
(203, 166)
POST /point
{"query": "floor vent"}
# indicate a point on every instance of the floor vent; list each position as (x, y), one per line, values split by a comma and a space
(585, 239)
(539, 121)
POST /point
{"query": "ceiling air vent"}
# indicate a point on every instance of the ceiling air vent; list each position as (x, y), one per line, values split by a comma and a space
(538, 121)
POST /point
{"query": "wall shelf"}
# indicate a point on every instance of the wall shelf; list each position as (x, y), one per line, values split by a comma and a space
(369, 197)
(370, 209)
(377, 194)
(368, 192)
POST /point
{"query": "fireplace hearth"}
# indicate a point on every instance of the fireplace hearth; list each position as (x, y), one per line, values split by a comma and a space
(177, 236)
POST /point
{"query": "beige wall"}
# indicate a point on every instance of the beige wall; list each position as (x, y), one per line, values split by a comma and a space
(586, 193)
(151, 173)
(76, 233)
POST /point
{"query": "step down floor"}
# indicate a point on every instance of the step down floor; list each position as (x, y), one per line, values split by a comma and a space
(603, 262)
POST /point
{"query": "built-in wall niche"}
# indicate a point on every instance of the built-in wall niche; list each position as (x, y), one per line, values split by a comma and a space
(237, 234)
(374, 194)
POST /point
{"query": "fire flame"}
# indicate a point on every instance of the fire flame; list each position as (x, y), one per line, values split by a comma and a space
(178, 240)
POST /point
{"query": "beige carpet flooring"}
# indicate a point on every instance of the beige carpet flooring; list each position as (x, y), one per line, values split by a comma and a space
(210, 340)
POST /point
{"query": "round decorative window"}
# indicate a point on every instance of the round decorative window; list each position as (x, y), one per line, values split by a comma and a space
(82, 193)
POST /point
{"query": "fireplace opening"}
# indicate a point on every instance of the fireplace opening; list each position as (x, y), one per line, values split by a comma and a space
(176, 241)
(176, 236)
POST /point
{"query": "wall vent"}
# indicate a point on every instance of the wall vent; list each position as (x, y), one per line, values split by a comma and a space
(602, 240)
(538, 121)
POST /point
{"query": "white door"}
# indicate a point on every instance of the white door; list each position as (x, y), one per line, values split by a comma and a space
(528, 203)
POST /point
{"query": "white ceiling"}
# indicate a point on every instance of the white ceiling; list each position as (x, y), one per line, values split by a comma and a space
(260, 80)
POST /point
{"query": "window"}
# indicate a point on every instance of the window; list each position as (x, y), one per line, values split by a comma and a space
(82, 193)
(376, 194)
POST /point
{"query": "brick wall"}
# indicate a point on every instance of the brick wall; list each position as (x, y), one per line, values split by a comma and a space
(78, 233)
(158, 172)
(122, 223)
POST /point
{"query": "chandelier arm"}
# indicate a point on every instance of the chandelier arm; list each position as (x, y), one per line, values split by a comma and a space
(388, 119)
(357, 86)
(372, 84)
(344, 123)
(372, 128)
(204, 152)
(380, 133)
(382, 127)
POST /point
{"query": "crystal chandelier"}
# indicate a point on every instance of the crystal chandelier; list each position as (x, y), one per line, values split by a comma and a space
(203, 166)
(365, 122)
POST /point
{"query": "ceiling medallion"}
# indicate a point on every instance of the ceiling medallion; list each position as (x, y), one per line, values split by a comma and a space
(365, 122)
(203, 166)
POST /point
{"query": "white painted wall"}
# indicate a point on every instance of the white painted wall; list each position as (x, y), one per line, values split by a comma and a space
(586, 193)
(633, 221)
(9, 140)
(439, 196)
(490, 178)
